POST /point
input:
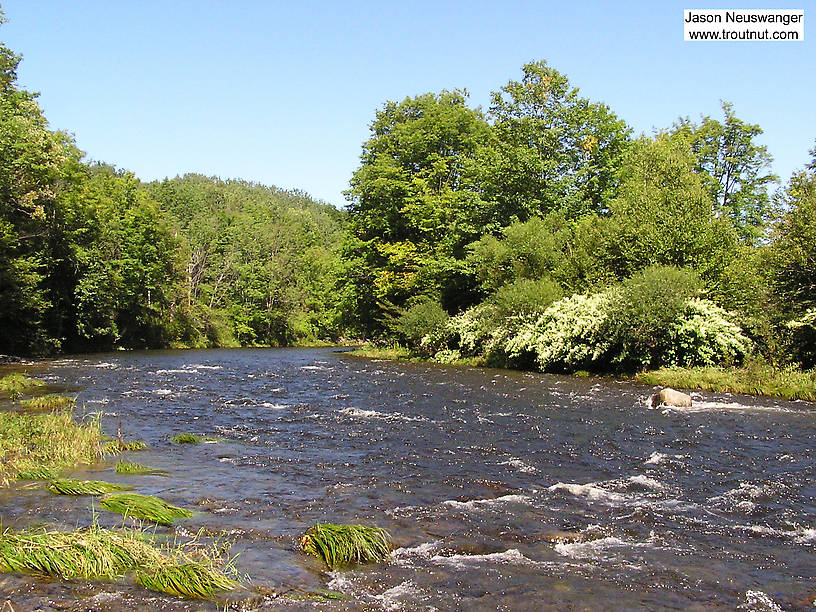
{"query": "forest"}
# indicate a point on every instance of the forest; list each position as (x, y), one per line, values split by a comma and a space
(541, 232)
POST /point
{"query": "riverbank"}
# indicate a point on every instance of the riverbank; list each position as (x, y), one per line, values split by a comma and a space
(754, 378)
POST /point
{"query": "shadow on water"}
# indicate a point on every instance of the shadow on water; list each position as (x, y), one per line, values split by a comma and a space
(504, 490)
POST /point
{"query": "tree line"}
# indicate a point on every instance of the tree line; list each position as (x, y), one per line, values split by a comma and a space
(540, 232)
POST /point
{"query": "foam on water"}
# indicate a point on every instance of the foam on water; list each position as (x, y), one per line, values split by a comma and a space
(275, 406)
(509, 557)
(519, 465)
(391, 598)
(482, 504)
(603, 549)
(591, 491)
(647, 483)
(757, 601)
(383, 416)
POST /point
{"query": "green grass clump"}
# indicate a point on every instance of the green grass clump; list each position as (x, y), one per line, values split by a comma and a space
(74, 486)
(114, 447)
(194, 579)
(127, 467)
(16, 384)
(340, 545)
(48, 402)
(86, 553)
(95, 553)
(754, 378)
(144, 507)
(39, 473)
(186, 438)
(50, 441)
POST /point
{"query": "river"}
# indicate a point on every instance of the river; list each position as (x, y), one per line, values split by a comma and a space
(503, 490)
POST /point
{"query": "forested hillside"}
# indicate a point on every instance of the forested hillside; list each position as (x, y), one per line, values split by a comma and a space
(92, 259)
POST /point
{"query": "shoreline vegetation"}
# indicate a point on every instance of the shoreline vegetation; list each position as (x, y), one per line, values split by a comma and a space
(39, 438)
(753, 378)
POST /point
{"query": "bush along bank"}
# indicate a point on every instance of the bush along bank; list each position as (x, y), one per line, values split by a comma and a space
(657, 324)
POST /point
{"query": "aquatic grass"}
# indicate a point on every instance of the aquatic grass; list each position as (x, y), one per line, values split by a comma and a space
(75, 486)
(50, 441)
(193, 579)
(114, 447)
(754, 378)
(38, 473)
(86, 553)
(128, 467)
(105, 554)
(16, 384)
(144, 507)
(48, 402)
(340, 545)
(186, 438)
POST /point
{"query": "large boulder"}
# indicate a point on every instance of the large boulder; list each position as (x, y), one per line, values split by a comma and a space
(670, 397)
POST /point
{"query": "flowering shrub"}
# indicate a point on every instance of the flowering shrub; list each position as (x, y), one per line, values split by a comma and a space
(576, 333)
(705, 336)
(569, 335)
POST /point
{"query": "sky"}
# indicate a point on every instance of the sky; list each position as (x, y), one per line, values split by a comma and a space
(282, 93)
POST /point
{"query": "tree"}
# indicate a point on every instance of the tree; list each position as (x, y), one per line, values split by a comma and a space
(412, 209)
(663, 214)
(554, 150)
(734, 168)
(36, 167)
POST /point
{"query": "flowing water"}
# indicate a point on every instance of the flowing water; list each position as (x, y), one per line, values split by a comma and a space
(503, 490)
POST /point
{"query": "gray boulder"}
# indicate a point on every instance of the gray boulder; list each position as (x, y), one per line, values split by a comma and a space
(670, 397)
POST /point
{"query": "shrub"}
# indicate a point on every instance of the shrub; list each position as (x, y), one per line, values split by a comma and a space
(645, 311)
(571, 334)
(424, 317)
(705, 335)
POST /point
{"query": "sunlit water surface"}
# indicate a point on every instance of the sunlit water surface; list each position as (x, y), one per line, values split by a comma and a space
(503, 490)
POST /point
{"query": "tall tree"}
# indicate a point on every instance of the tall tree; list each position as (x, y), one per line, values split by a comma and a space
(554, 149)
(412, 208)
(36, 166)
(734, 167)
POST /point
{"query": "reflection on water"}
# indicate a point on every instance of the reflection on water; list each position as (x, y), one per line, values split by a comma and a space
(504, 490)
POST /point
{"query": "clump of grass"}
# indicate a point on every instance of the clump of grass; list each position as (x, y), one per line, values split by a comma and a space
(340, 545)
(194, 579)
(16, 384)
(86, 553)
(186, 438)
(96, 553)
(74, 486)
(127, 467)
(48, 402)
(39, 473)
(114, 447)
(753, 378)
(30, 442)
(144, 507)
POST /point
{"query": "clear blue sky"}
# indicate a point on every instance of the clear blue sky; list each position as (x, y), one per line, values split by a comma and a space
(283, 92)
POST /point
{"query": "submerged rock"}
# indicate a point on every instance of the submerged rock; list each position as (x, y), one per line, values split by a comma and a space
(670, 397)
(557, 536)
